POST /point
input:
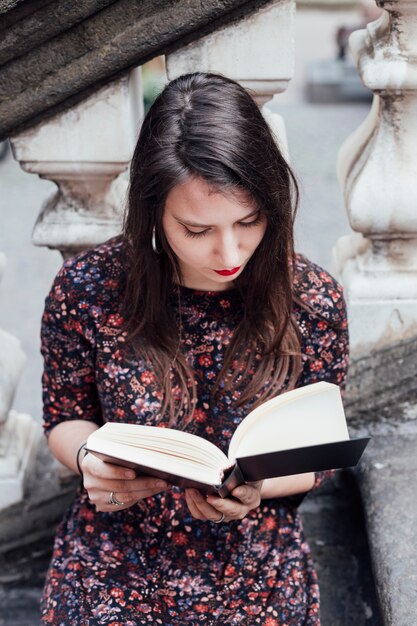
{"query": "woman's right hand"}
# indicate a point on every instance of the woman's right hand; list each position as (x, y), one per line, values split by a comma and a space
(102, 479)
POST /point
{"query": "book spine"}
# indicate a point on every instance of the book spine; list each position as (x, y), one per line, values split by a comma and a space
(233, 480)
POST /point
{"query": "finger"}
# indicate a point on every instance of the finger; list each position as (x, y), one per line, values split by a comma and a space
(107, 471)
(129, 497)
(191, 506)
(101, 498)
(248, 495)
(142, 484)
(232, 509)
(148, 487)
(204, 510)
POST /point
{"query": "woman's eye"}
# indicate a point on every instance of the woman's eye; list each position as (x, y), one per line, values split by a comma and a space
(254, 222)
(192, 233)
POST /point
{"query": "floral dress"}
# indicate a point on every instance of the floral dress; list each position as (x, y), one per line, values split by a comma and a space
(153, 563)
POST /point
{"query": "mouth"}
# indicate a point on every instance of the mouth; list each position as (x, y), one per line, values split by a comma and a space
(228, 272)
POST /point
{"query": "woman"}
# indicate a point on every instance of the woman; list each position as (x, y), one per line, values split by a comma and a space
(197, 313)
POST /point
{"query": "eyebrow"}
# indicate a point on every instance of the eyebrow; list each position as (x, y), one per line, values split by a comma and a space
(194, 224)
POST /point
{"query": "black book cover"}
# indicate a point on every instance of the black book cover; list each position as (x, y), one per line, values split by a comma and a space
(317, 458)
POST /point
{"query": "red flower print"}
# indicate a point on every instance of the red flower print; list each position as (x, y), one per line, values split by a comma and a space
(325, 277)
(115, 320)
(50, 617)
(317, 365)
(116, 592)
(147, 377)
(205, 360)
(269, 523)
(327, 356)
(111, 284)
(180, 539)
(253, 610)
(199, 415)
(335, 295)
(135, 595)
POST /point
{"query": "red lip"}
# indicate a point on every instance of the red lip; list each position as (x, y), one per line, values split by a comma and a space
(228, 272)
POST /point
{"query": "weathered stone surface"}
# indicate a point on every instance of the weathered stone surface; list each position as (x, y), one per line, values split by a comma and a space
(26, 27)
(382, 390)
(55, 74)
(388, 486)
(27, 528)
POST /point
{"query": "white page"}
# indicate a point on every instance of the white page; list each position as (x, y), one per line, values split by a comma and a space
(160, 461)
(302, 417)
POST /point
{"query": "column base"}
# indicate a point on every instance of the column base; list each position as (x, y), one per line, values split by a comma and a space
(382, 305)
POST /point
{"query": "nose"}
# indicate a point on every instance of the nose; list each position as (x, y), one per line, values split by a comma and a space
(228, 250)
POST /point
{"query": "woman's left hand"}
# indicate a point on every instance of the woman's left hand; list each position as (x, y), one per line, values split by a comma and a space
(243, 499)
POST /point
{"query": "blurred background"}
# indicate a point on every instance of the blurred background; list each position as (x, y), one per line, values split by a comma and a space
(324, 103)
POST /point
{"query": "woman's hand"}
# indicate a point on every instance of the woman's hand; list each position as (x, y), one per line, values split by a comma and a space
(103, 479)
(243, 499)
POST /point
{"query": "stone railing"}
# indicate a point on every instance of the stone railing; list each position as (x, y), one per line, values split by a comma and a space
(86, 150)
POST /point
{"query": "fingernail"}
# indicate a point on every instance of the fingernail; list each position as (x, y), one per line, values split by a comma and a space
(130, 474)
(160, 484)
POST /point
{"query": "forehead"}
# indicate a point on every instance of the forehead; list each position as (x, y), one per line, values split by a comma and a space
(196, 199)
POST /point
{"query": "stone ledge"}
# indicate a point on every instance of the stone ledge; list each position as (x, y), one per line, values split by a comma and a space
(85, 47)
(387, 480)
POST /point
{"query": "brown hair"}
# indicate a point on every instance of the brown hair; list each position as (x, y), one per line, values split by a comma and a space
(208, 126)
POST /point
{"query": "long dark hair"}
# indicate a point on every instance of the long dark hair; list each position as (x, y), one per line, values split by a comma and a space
(208, 126)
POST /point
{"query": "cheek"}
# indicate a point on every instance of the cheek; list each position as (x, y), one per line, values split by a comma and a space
(257, 237)
(187, 249)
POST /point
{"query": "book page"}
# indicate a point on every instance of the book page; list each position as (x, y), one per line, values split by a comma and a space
(160, 448)
(302, 417)
(150, 460)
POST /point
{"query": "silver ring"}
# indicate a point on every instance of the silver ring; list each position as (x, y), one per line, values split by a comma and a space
(218, 521)
(113, 500)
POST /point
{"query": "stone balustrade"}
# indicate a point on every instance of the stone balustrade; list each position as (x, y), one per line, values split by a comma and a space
(378, 268)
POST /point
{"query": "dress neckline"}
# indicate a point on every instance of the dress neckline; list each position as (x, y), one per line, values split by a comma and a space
(191, 291)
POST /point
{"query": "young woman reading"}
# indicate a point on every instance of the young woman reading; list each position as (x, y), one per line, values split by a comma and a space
(193, 316)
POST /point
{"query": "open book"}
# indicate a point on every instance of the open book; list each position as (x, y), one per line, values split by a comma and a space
(303, 430)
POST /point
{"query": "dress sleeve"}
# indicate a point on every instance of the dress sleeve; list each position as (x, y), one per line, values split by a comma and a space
(68, 382)
(324, 328)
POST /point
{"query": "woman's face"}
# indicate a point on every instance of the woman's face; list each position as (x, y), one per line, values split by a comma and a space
(213, 235)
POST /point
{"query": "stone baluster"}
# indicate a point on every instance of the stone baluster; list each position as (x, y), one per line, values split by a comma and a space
(378, 268)
(377, 169)
(85, 151)
(19, 433)
(257, 51)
